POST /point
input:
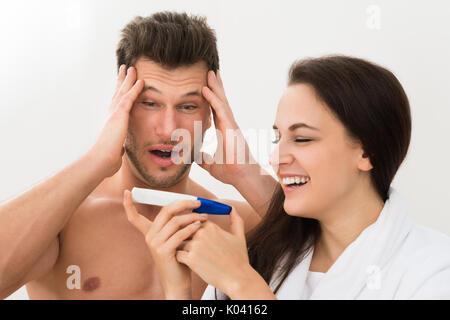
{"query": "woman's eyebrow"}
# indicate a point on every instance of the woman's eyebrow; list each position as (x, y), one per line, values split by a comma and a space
(296, 126)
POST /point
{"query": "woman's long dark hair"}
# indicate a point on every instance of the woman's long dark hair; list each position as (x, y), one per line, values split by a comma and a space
(373, 107)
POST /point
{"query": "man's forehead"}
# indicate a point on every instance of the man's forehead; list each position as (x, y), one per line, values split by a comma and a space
(188, 91)
(185, 76)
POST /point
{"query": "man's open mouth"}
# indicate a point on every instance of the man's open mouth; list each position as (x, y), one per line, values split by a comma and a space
(162, 153)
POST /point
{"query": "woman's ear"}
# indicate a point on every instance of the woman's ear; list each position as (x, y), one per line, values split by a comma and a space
(364, 163)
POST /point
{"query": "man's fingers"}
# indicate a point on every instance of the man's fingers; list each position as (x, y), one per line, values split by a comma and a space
(128, 100)
(217, 105)
(216, 85)
(139, 221)
(128, 82)
(219, 78)
(120, 77)
(128, 89)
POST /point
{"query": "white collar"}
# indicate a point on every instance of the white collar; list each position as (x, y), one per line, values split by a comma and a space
(374, 247)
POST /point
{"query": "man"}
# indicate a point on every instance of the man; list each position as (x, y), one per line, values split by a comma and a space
(69, 237)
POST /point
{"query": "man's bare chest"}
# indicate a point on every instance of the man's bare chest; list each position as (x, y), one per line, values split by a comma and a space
(102, 256)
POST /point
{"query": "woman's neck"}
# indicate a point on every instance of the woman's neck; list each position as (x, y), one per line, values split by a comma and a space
(343, 224)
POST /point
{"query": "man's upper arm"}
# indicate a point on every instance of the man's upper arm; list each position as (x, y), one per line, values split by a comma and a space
(44, 264)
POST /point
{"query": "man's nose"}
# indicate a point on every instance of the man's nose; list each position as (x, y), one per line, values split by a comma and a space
(166, 123)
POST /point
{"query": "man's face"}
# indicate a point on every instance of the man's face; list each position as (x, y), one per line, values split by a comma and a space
(170, 100)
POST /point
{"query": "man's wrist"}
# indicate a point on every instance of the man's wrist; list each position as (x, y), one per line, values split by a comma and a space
(249, 172)
(96, 164)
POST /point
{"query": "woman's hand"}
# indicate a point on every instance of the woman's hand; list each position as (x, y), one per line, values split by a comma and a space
(219, 257)
(173, 225)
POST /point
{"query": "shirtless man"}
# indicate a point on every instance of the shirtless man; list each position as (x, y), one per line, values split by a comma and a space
(75, 224)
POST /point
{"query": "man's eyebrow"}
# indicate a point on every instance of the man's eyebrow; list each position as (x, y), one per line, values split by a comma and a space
(151, 89)
(296, 126)
(189, 94)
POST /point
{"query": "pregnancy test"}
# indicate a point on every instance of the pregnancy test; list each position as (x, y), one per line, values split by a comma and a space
(164, 198)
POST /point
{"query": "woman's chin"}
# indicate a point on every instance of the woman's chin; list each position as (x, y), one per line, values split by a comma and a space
(294, 210)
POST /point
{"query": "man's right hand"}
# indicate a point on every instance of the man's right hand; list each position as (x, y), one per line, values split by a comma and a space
(28, 253)
(109, 146)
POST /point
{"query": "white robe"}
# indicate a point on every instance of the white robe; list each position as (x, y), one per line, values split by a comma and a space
(393, 258)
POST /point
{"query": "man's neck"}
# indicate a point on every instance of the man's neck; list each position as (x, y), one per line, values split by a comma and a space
(126, 179)
(344, 224)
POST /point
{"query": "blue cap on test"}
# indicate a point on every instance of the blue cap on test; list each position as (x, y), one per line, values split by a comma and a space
(212, 207)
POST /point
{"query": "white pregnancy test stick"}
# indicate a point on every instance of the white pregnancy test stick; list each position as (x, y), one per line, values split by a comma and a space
(164, 198)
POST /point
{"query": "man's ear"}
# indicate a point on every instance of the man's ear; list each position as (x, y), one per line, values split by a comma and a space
(364, 163)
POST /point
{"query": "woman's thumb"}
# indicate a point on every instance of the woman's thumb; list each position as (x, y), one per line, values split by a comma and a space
(237, 224)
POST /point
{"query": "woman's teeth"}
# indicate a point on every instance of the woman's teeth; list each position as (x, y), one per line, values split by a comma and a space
(294, 180)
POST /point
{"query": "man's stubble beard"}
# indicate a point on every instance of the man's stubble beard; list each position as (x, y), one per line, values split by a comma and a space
(151, 180)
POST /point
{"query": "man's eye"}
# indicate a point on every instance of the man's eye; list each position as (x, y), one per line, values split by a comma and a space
(149, 104)
(188, 107)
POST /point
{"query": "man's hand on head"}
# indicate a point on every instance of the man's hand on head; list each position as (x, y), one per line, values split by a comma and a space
(109, 146)
(219, 166)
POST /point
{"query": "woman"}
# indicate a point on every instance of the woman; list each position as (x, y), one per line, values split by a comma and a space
(335, 228)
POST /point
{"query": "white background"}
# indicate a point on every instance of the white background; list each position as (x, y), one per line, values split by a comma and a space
(58, 73)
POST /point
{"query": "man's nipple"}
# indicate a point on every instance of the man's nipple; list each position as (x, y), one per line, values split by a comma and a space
(90, 284)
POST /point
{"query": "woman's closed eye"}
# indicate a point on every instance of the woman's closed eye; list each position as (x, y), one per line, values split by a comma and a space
(298, 140)
(302, 140)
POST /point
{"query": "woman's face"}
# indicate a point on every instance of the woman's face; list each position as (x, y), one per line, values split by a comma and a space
(317, 163)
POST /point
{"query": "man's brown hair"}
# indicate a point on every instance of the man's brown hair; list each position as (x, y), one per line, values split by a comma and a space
(169, 38)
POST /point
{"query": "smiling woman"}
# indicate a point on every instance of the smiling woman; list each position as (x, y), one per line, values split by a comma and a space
(335, 229)
(351, 109)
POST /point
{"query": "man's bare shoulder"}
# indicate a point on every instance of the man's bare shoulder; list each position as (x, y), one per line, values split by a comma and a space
(95, 210)
(103, 198)
(198, 190)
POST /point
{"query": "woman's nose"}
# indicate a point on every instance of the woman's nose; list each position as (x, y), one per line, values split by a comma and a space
(280, 156)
